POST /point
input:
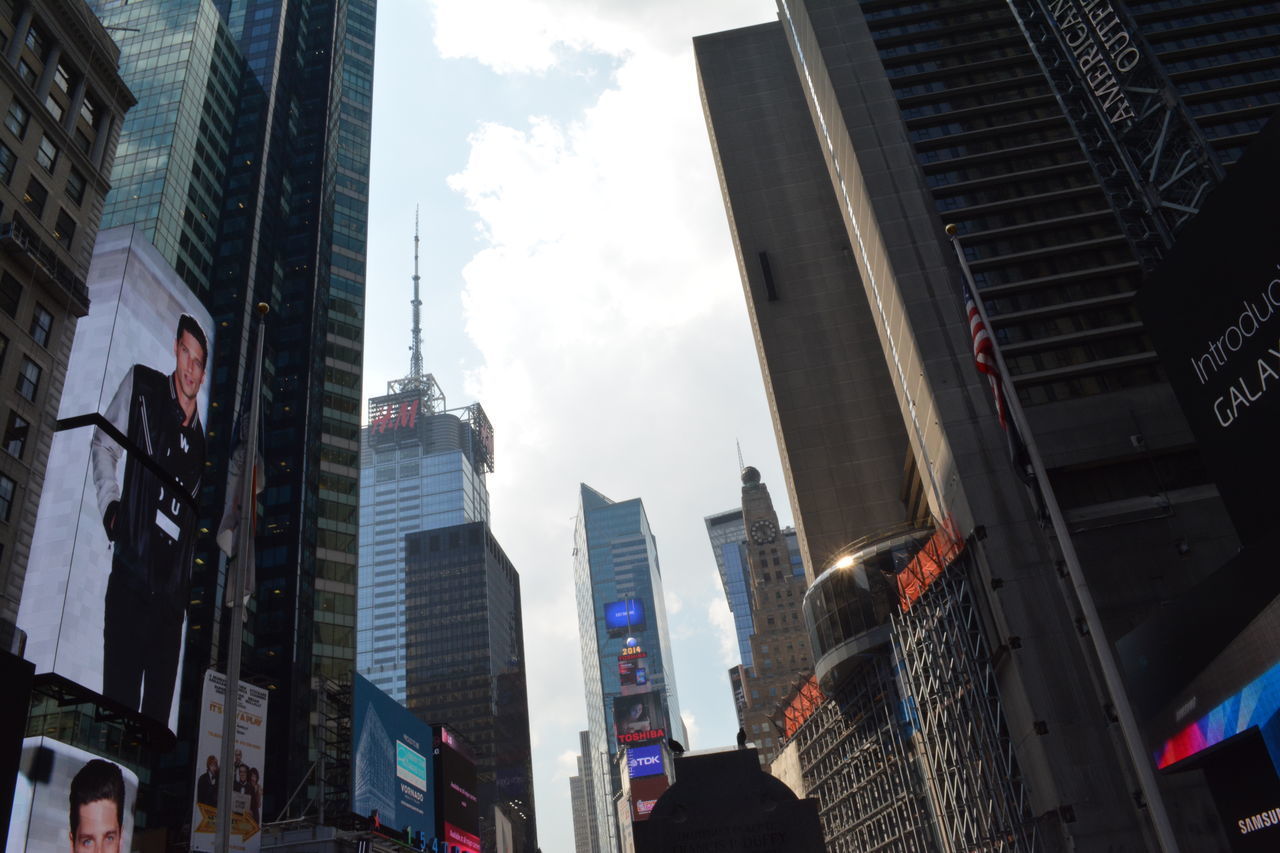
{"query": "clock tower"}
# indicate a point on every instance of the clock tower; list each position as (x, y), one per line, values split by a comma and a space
(779, 640)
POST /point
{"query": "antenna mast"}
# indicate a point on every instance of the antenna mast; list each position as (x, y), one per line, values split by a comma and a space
(415, 359)
(741, 465)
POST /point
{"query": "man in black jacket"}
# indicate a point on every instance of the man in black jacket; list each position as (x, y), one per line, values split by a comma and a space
(151, 521)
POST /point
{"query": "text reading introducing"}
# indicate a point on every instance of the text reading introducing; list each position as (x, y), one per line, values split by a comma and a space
(1253, 374)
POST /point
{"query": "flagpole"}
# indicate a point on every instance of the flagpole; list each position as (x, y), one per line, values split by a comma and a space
(1075, 572)
(235, 583)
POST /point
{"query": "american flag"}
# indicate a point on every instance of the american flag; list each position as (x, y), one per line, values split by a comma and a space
(984, 356)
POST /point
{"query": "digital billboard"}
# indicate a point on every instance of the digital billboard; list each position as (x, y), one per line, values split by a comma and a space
(638, 718)
(623, 617)
(105, 600)
(69, 799)
(458, 808)
(1213, 312)
(249, 776)
(644, 760)
(391, 762)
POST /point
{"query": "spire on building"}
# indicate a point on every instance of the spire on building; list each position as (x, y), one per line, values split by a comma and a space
(419, 383)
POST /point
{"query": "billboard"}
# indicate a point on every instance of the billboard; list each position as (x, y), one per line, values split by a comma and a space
(624, 617)
(638, 718)
(1222, 358)
(645, 761)
(392, 770)
(67, 798)
(107, 581)
(458, 808)
(250, 760)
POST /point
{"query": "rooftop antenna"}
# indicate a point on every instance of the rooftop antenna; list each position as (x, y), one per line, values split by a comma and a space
(415, 359)
(741, 465)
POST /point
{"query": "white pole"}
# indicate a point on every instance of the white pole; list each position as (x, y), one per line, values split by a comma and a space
(1106, 660)
(235, 583)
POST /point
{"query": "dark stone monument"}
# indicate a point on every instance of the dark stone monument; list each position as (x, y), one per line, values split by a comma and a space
(722, 802)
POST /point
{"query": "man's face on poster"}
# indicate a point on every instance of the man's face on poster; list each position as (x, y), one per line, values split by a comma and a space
(98, 830)
(189, 372)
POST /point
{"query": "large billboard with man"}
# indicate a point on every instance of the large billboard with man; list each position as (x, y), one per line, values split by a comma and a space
(106, 592)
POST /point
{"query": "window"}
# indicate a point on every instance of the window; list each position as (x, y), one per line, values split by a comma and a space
(35, 41)
(15, 434)
(16, 119)
(10, 294)
(27, 73)
(41, 325)
(62, 78)
(7, 161)
(55, 107)
(75, 185)
(88, 110)
(47, 154)
(28, 379)
(8, 488)
(64, 230)
(35, 197)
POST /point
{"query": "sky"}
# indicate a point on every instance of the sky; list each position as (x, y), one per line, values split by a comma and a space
(579, 281)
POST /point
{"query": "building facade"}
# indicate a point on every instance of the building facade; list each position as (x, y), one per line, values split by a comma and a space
(465, 665)
(846, 136)
(64, 103)
(421, 468)
(585, 834)
(627, 669)
(779, 642)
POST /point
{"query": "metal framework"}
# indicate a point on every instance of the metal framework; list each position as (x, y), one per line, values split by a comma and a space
(857, 757)
(1149, 155)
(975, 786)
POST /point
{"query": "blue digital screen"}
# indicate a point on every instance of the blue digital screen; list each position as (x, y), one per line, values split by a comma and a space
(391, 768)
(623, 617)
(644, 760)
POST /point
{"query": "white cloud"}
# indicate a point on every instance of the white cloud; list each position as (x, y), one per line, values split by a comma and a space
(613, 345)
(721, 619)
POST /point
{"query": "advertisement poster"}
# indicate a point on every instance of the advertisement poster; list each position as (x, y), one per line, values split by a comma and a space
(69, 799)
(391, 764)
(638, 718)
(105, 600)
(248, 781)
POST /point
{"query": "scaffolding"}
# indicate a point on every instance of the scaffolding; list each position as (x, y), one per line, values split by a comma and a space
(857, 757)
(976, 790)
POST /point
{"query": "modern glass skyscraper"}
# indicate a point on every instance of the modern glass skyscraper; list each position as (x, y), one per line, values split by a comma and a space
(248, 165)
(626, 650)
(466, 664)
(421, 468)
(185, 68)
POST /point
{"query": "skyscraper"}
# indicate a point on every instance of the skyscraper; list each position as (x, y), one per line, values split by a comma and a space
(586, 836)
(847, 135)
(249, 166)
(465, 664)
(627, 668)
(422, 467)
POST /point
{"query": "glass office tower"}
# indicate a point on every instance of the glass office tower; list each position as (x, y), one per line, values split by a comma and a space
(466, 664)
(421, 468)
(248, 162)
(185, 69)
(618, 583)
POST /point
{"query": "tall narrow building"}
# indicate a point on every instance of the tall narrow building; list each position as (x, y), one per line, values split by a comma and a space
(627, 669)
(422, 467)
(847, 135)
(586, 835)
(466, 666)
(779, 640)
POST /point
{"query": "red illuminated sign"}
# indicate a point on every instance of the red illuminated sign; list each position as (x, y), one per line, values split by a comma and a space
(393, 416)
(631, 652)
